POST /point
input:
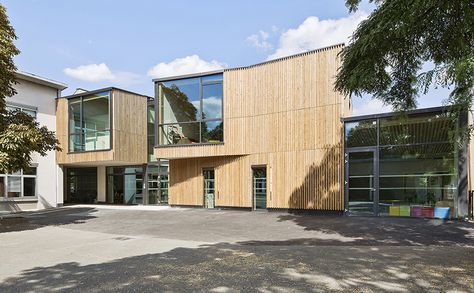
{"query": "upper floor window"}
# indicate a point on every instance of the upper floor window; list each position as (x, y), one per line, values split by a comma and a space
(190, 110)
(89, 122)
(28, 110)
(151, 130)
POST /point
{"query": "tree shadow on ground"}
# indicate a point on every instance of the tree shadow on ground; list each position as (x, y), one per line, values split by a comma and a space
(386, 231)
(57, 217)
(262, 268)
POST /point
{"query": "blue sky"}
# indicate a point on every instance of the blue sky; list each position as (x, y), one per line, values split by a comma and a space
(93, 44)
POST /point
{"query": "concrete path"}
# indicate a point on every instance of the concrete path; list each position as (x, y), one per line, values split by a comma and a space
(97, 248)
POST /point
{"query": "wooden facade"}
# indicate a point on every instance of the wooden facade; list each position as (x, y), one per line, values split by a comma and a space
(283, 114)
(128, 130)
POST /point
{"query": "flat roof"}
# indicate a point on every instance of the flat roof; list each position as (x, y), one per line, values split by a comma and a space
(107, 89)
(40, 80)
(390, 114)
(248, 66)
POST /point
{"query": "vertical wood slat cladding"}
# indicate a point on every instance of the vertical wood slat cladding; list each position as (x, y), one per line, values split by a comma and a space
(129, 132)
(283, 114)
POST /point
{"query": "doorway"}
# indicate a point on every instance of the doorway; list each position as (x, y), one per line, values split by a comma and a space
(209, 188)
(361, 182)
(125, 185)
(81, 185)
(259, 190)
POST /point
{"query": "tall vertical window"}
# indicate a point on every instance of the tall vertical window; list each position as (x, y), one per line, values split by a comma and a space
(89, 122)
(18, 184)
(151, 130)
(190, 110)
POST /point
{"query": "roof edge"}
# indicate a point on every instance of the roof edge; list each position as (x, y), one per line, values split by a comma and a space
(330, 47)
(103, 90)
(40, 80)
(175, 77)
(393, 113)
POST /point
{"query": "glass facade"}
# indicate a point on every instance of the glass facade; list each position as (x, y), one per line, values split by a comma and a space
(190, 110)
(89, 122)
(19, 184)
(125, 185)
(157, 176)
(416, 165)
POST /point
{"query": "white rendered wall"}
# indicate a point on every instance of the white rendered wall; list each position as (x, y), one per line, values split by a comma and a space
(49, 175)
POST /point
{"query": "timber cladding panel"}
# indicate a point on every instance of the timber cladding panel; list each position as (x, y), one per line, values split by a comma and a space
(283, 105)
(129, 132)
(283, 114)
(295, 180)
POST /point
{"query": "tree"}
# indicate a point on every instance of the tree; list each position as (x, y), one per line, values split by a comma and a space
(388, 50)
(20, 134)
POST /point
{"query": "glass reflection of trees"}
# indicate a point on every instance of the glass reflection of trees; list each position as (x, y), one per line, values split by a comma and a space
(184, 105)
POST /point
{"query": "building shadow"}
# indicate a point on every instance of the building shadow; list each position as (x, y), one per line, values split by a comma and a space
(393, 231)
(39, 219)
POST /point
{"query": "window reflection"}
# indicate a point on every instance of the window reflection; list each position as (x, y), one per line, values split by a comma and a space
(89, 123)
(361, 133)
(417, 163)
(191, 110)
(212, 131)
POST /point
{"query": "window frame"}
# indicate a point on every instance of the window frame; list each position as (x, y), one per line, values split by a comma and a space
(23, 108)
(82, 133)
(22, 176)
(159, 126)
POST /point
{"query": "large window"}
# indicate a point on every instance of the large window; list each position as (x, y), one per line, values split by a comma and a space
(417, 163)
(89, 123)
(18, 184)
(190, 110)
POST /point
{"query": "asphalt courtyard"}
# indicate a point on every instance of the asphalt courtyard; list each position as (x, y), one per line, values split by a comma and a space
(99, 248)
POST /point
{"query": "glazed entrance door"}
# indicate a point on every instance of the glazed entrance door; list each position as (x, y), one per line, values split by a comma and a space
(361, 182)
(209, 188)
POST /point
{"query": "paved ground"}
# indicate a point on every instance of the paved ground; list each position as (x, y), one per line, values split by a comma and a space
(93, 249)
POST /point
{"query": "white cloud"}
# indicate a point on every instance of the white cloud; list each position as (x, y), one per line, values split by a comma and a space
(314, 33)
(102, 73)
(260, 40)
(91, 72)
(186, 65)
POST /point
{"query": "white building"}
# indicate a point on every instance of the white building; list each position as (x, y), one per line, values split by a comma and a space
(41, 186)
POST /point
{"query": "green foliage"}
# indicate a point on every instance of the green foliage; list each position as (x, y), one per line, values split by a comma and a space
(20, 134)
(387, 51)
(7, 51)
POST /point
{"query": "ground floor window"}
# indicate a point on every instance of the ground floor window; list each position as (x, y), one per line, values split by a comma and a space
(18, 184)
(81, 185)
